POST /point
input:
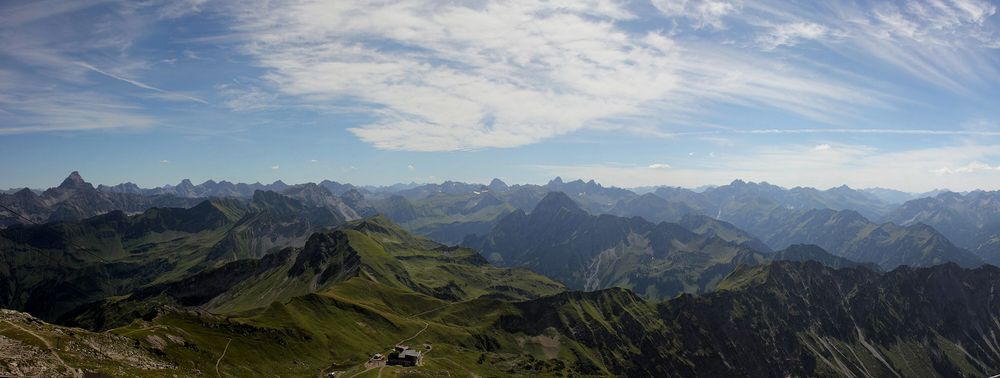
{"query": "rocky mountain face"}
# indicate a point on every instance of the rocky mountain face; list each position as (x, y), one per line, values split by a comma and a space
(908, 322)
(589, 252)
(848, 234)
(971, 221)
(76, 199)
(652, 208)
(756, 209)
(787, 319)
(319, 196)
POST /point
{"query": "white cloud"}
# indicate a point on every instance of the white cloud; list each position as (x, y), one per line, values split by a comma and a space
(790, 34)
(506, 74)
(313, 161)
(164, 161)
(410, 167)
(242, 97)
(822, 147)
(275, 167)
(180, 8)
(702, 13)
(973, 167)
(659, 166)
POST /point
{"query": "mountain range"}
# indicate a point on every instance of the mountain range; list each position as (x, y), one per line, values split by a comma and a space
(971, 220)
(588, 252)
(76, 199)
(563, 279)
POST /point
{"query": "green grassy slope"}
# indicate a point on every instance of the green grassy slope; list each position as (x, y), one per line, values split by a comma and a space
(783, 318)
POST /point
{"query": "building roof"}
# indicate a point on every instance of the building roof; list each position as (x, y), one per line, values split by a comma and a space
(409, 352)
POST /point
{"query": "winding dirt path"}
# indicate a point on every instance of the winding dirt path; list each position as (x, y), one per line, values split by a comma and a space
(217, 372)
(431, 310)
(415, 334)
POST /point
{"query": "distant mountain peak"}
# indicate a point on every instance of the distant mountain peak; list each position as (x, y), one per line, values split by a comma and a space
(74, 181)
(557, 181)
(498, 185)
(555, 201)
(25, 193)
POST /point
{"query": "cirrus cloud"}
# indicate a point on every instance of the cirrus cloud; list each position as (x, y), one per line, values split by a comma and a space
(453, 76)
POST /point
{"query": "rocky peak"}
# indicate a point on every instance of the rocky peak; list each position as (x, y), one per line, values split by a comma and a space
(498, 186)
(74, 181)
(555, 202)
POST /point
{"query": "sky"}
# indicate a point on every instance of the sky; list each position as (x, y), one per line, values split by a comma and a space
(902, 95)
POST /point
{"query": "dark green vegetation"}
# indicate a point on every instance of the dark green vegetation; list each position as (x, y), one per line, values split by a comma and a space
(49, 269)
(782, 318)
(373, 249)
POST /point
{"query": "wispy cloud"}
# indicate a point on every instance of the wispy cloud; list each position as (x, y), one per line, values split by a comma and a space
(28, 108)
(791, 34)
(504, 74)
(701, 13)
(46, 70)
(169, 95)
(946, 43)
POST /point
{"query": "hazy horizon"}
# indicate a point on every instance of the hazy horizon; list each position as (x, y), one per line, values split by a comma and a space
(482, 182)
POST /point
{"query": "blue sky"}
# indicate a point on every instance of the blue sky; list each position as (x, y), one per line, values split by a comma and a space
(893, 94)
